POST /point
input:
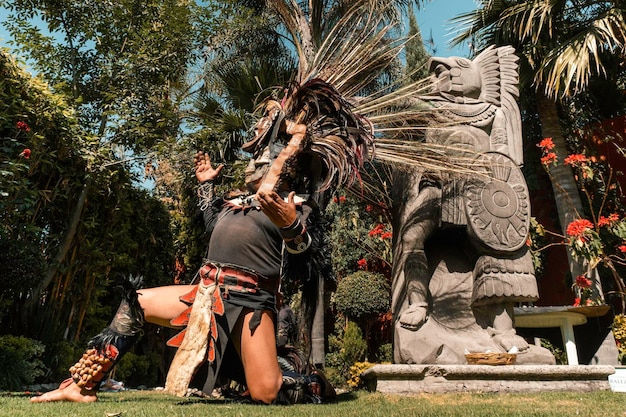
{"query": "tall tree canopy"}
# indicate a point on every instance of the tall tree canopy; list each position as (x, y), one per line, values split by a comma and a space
(120, 67)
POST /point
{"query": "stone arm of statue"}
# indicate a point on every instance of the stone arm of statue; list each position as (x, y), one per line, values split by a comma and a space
(415, 315)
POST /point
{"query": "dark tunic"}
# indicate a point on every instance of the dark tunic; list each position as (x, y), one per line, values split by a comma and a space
(247, 238)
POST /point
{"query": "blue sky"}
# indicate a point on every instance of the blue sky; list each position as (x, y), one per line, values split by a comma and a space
(434, 17)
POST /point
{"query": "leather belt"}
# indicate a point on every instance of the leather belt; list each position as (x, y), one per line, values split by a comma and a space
(235, 278)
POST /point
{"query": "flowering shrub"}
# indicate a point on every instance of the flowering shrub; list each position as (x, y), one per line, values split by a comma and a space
(600, 239)
(582, 287)
(584, 241)
(21, 125)
(356, 370)
(619, 332)
(360, 236)
(547, 146)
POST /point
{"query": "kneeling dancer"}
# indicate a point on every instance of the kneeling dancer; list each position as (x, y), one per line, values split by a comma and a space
(255, 240)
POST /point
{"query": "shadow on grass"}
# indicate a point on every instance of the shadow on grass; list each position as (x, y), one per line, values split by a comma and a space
(341, 398)
(345, 397)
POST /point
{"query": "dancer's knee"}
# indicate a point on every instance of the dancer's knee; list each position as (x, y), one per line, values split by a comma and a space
(265, 390)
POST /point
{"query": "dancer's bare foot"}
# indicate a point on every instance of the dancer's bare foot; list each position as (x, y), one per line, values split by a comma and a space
(67, 391)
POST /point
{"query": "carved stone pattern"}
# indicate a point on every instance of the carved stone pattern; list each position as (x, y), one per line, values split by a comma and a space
(497, 204)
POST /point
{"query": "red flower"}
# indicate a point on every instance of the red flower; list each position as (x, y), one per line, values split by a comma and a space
(622, 248)
(362, 263)
(368, 208)
(575, 159)
(386, 235)
(25, 153)
(22, 126)
(576, 302)
(377, 230)
(607, 221)
(578, 227)
(342, 199)
(546, 144)
(583, 282)
(548, 158)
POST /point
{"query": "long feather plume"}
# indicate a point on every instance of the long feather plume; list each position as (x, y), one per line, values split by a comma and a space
(347, 128)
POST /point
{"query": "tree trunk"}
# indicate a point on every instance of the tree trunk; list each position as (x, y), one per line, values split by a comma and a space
(317, 331)
(566, 195)
(66, 243)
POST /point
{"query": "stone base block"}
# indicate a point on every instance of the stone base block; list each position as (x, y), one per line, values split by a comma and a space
(415, 379)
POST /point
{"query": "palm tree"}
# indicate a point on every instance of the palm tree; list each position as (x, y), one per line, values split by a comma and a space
(563, 44)
(310, 23)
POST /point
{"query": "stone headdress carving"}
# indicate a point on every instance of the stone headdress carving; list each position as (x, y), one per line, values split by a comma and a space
(499, 75)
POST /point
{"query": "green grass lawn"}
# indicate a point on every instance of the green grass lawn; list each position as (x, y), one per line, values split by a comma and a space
(355, 404)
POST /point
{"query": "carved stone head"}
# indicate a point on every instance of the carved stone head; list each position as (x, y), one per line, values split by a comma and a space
(455, 79)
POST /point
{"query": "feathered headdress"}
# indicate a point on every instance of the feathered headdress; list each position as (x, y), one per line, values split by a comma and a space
(347, 123)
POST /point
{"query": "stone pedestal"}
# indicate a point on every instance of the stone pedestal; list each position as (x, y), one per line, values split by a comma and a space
(415, 379)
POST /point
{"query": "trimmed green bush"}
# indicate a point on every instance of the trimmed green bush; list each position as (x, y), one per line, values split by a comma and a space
(19, 361)
(362, 296)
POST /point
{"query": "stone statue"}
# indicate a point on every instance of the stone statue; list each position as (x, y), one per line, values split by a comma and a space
(460, 254)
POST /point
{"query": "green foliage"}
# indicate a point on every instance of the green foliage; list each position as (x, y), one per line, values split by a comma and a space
(353, 346)
(119, 229)
(117, 60)
(58, 358)
(362, 296)
(22, 268)
(135, 370)
(619, 332)
(559, 355)
(416, 55)
(537, 239)
(33, 118)
(360, 236)
(346, 347)
(19, 361)
(559, 45)
(385, 353)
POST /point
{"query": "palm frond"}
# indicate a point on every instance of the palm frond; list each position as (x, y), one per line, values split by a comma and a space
(354, 52)
(568, 68)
